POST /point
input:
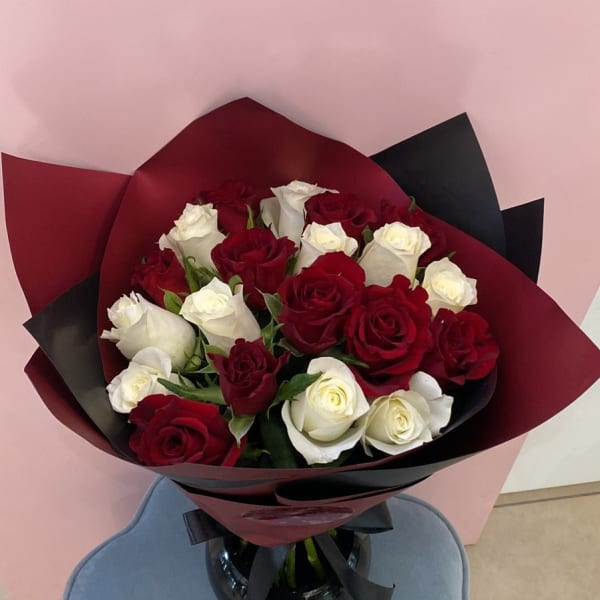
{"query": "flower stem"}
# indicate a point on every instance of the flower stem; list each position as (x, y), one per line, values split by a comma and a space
(290, 568)
(313, 558)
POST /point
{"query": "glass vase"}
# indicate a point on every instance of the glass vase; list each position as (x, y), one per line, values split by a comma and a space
(229, 561)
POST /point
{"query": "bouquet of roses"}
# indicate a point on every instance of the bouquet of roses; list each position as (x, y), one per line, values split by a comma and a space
(306, 336)
(302, 319)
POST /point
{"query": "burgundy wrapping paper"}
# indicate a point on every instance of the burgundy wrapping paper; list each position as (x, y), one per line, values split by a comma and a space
(241, 140)
(59, 220)
(274, 525)
(546, 361)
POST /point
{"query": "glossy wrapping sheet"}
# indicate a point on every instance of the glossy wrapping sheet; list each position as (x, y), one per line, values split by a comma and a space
(102, 223)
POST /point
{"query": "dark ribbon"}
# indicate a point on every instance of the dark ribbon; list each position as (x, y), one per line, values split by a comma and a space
(267, 562)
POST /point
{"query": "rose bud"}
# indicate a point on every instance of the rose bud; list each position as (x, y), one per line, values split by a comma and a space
(463, 347)
(394, 250)
(161, 271)
(284, 213)
(342, 208)
(171, 430)
(221, 315)
(416, 217)
(139, 324)
(140, 379)
(389, 331)
(195, 234)
(406, 419)
(258, 257)
(317, 302)
(248, 376)
(448, 287)
(232, 200)
(321, 422)
(320, 239)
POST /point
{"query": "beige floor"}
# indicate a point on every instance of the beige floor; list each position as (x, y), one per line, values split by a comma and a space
(540, 545)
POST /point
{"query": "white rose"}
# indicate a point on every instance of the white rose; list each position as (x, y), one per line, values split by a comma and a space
(394, 250)
(139, 324)
(284, 213)
(322, 421)
(406, 419)
(222, 316)
(320, 239)
(448, 287)
(140, 379)
(195, 234)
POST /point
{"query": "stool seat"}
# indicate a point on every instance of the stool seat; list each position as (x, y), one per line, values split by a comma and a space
(152, 558)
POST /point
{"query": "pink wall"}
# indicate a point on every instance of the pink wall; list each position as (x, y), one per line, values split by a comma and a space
(106, 84)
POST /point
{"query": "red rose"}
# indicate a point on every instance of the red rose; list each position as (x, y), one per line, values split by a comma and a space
(317, 302)
(248, 376)
(160, 272)
(171, 430)
(232, 200)
(417, 218)
(346, 209)
(258, 257)
(463, 347)
(389, 330)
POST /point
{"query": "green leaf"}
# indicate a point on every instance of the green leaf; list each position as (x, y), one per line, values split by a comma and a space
(288, 390)
(250, 221)
(251, 456)
(274, 304)
(240, 425)
(211, 380)
(205, 275)
(190, 274)
(212, 394)
(198, 277)
(296, 385)
(172, 302)
(193, 363)
(268, 333)
(367, 235)
(210, 349)
(291, 265)
(277, 443)
(196, 359)
(451, 255)
(234, 282)
(283, 343)
(413, 204)
(335, 352)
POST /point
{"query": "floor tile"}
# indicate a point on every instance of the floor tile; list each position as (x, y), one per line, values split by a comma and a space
(547, 550)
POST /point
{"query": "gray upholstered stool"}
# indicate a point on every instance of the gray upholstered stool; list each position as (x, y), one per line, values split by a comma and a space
(152, 559)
